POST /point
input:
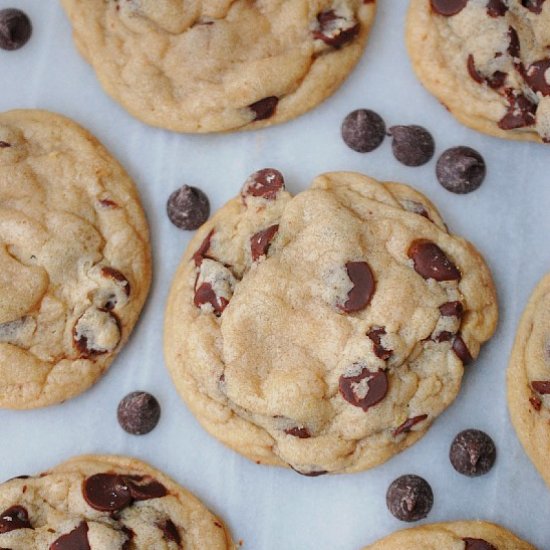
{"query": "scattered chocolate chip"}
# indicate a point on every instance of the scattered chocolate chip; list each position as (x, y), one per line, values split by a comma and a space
(15, 29)
(363, 289)
(495, 81)
(144, 487)
(451, 309)
(188, 208)
(299, 431)
(410, 498)
(542, 387)
(77, 539)
(514, 46)
(534, 6)
(407, 426)
(265, 108)
(200, 254)
(448, 7)
(15, 517)
(106, 492)
(496, 8)
(478, 544)
(536, 403)
(170, 531)
(412, 145)
(460, 170)
(259, 242)
(461, 350)
(365, 389)
(138, 413)
(264, 183)
(536, 77)
(521, 111)
(335, 30)
(205, 295)
(375, 334)
(363, 130)
(472, 453)
(431, 262)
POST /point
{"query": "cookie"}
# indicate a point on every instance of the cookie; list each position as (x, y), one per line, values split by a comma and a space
(325, 331)
(213, 66)
(75, 262)
(459, 535)
(529, 379)
(105, 502)
(486, 61)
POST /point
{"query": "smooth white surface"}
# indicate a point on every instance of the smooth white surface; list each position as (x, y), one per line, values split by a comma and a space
(507, 219)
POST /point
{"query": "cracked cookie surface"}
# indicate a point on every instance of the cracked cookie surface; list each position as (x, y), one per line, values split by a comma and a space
(529, 379)
(487, 61)
(74, 259)
(105, 503)
(220, 65)
(325, 331)
(458, 535)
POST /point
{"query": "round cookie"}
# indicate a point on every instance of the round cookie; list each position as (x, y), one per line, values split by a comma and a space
(100, 502)
(311, 332)
(458, 535)
(220, 65)
(75, 262)
(529, 379)
(487, 61)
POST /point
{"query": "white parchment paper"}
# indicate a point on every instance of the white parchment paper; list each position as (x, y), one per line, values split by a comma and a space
(507, 219)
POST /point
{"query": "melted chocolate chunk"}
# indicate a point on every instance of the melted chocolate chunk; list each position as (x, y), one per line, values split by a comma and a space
(448, 7)
(542, 387)
(364, 390)
(496, 8)
(521, 111)
(265, 108)
(472, 453)
(170, 531)
(363, 130)
(301, 432)
(264, 183)
(77, 539)
(15, 517)
(461, 350)
(188, 208)
(410, 498)
(200, 254)
(145, 487)
(375, 334)
(15, 29)
(451, 309)
(407, 426)
(477, 544)
(431, 262)
(536, 76)
(333, 30)
(260, 242)
(534, 6)
(361, 294)
(205, 295)
(106, 492)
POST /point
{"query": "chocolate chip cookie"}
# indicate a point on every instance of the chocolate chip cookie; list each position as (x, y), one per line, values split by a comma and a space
(487, 61)
(459, 535)
(220, 65)
(529, 379)
(74, 259)
(325, 331)
(105, 502)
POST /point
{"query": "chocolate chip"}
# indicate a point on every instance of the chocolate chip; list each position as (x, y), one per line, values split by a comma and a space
(312, 473)
(495, 81)
(15, 517)
(138, 413)
(145, 487)
(542, 387)
(496, 8)
(4, 144)
(363, 289)
(407, 426)
(472, 453)
(108, 203)
(127, 545)
(412, 145)
(77, 539)
(451, 309)
(335, 30)
(188, 208)
(534, 6)
(431, 262)
(264, 183)
(410, 498)
(15, 29)
(298, 431)
(461, 350)
(106, 492)
(521, 111)
(170, 531)
(513, 44)
(460, 170)
(265, 108)
(536, 76)
(117, 277)
(200, 254)
(259, 242)
(375, 334)
(365, 389)
(448, 7)
(363, 130)
(205, 295)
(477, 544)
(536, 403)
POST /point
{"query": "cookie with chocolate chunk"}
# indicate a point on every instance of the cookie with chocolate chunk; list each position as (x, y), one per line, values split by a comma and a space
(220, 65)
(75, 262)
(487, 61)
(326, 331)
(105, 502)
(529, 379)
(459, 535)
